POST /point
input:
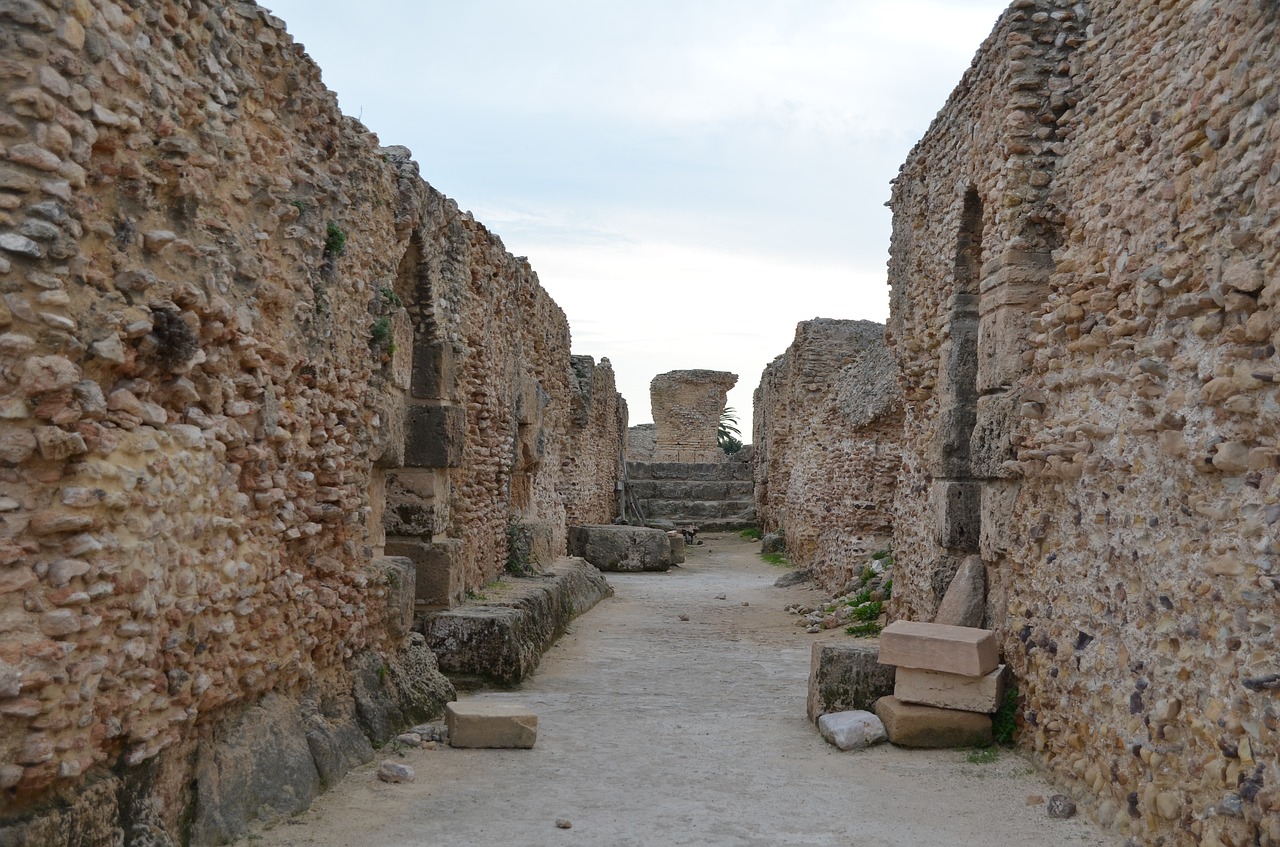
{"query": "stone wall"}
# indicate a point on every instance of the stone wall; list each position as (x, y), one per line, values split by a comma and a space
(642, 442)
(686, 410)
(237, 339)
(593, 460)
(826, 427)
(1084, 311)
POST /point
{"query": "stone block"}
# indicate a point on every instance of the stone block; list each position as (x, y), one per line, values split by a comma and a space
(490, 725)
(957, 510)
(846, 677)
(438, 569)
(435, 371)
(400, 575)
(999, 497)
(991, 444)
(937, 647)
(417, 503)
(676, 539)
(911, 725)
(965, 600)
(434, 436)
(621, 548)
(951, 691)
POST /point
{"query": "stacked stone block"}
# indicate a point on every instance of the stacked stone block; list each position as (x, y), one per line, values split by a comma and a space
(711, 495)
(948, 681)
(686, 411)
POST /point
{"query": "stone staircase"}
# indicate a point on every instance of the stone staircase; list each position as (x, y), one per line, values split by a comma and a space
(713, 495)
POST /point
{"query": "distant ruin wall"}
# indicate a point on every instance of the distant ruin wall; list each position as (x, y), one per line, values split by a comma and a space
(686, 410)
(826, 428)
(642, 442)
(593, 460)
(1084, 309)
(241, 347)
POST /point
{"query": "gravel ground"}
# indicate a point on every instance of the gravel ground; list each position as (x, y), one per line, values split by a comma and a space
(659, 731)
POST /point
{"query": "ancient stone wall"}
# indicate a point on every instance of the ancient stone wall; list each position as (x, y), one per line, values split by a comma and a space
(642, 442)
(1084, 272)
(240, 344)
(686, 410)
(826, 427)
(593, 460)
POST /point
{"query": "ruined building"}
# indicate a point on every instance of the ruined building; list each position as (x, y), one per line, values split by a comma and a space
(826, 428)
(686, 411)
(244, 353)
(1084, 312)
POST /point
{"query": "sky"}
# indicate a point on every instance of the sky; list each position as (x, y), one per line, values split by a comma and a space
(689, 178)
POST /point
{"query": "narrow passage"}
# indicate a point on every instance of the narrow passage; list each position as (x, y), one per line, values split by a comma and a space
(658, 731)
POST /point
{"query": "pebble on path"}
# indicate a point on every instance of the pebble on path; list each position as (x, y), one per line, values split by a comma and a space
(1062, 807)
(563, 823)
(684, 617)
(395, 772)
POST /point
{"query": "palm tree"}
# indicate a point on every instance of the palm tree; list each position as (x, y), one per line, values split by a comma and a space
(728, 436)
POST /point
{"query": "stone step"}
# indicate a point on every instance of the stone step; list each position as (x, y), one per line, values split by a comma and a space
(950, 691)
(696, 509)
(937, 647)
(500, 640)
(677, 489)
(689, 470)
(490, 725)
(911, 725)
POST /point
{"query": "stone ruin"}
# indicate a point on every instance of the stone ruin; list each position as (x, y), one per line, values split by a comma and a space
(245, 354)
(676, 470)
(827, 426)
(1084, 314)
(686, 411)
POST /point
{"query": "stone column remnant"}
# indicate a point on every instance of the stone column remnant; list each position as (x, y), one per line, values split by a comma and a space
(686, 409)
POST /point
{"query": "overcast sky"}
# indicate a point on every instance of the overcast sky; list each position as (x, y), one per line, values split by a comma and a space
(689, 178)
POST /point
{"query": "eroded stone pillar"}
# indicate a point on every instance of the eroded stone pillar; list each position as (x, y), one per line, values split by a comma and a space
(686, 410)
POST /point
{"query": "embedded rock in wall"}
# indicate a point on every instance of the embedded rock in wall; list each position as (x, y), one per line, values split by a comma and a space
(827, 425)
(1084, 309)
(237, 339)
(686, 410)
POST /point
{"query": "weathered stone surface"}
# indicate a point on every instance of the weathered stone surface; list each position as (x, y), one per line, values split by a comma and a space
(773, 542)
(965, 601)
(491, 725)
(621, 548)
(686, 411)
(795, 577)
(846, 677)
(851, 730)
(395, 772)
(676, 539)
(910, 725)
(395, 691)
(951, 691)
(936, 647)
(439, 572)
(713, 495)
(827, 422)
(500, 640)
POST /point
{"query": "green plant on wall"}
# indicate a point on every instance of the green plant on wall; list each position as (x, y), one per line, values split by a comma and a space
(335, 240)
(520, 558)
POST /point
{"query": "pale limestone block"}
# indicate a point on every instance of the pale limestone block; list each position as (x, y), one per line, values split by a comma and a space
(476, 724)
(936, 647)
(950, 691)
(910, 725)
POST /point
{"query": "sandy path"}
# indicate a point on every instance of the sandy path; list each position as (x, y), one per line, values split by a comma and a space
(657, 731)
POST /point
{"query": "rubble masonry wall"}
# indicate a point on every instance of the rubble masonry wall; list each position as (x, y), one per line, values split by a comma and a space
(1084, 289)
(826, 428)
(240, 346)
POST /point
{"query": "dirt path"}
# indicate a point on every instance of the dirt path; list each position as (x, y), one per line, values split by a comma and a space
(657, 731)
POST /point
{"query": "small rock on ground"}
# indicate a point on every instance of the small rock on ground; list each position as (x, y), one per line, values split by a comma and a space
(852, 730)
(410, 739)
(1062, 807)
(395, 772)
(563, 824)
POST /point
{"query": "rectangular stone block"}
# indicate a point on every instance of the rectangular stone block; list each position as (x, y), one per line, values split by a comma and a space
(846, 677)
(957, 510)
(963, 650)
(910, 725)
(950, 691)
(433, 436)
(435, 371)
(400, 575)
(439, 579)
(490, 725)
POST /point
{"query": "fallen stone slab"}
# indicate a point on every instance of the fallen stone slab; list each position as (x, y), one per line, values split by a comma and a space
(621, 548)
(846, 677)
(491, 725)
(911, 725)
(390, 771)
(794, 577)
(852, 730)
(964, 604)
(500, 640)
(937, 647)
(950, 691)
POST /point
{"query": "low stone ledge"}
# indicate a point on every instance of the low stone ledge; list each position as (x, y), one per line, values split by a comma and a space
(500, 640)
